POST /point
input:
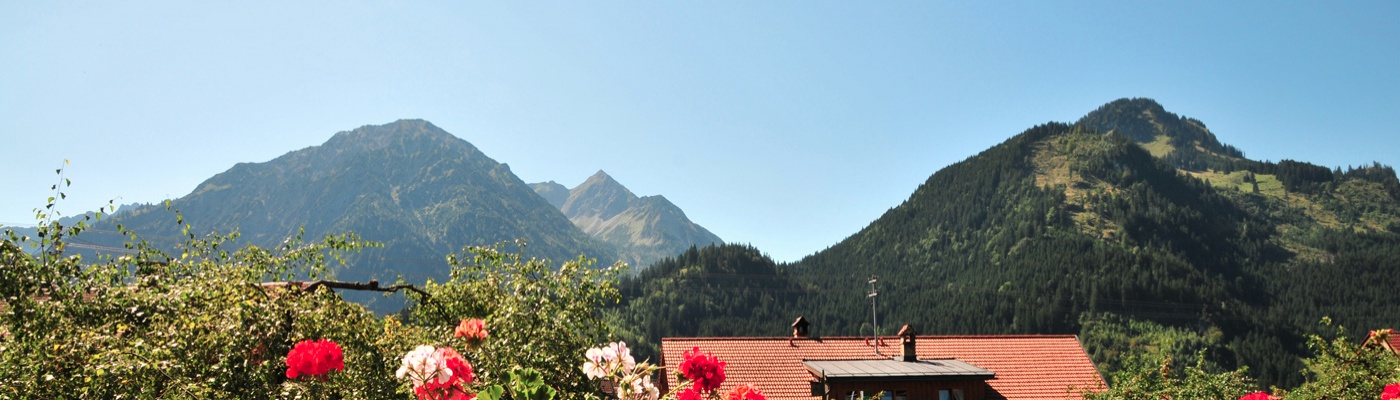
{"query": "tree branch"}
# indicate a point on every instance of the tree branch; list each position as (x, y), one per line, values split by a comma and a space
(372, 285)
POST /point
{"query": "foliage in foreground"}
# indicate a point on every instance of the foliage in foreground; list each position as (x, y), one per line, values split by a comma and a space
(200, 322)
(1337, 369)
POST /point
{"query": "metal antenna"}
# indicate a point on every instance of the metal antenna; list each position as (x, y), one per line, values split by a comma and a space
(874, 317)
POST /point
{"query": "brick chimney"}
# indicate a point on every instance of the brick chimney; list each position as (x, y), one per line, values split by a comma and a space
(909, 352)
(799, 328)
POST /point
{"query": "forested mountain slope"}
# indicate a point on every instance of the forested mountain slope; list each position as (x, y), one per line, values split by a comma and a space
(722, 290)
(1133, 212)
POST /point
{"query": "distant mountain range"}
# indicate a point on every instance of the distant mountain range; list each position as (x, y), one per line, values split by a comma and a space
(643, 229)
(1130, 214)
(417, 189)
(89, 217)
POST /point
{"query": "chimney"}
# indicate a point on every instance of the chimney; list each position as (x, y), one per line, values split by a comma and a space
(909, 353)
(799, 328)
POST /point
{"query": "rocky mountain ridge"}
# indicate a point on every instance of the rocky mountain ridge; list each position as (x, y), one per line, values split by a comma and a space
(417, 189)
(644, 229)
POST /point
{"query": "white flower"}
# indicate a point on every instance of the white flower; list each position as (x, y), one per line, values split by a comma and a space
(641, 389)
(596, 366)
(607, 360)
(610, 353)
(615, 363)
(422, 364)
(624, 355)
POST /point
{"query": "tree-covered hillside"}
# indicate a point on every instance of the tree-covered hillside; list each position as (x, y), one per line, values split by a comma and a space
(1133, 214)
(723, 290)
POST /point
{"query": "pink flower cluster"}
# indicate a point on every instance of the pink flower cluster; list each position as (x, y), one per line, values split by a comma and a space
(473, 330)
(703, 373)
(745, 392)
(314, 358)
(741, 392)
(437, 373)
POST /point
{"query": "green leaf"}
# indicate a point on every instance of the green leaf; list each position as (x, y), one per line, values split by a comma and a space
(493, 392)
(542, 393)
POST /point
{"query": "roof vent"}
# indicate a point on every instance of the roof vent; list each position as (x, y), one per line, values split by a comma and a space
(909, 351)
(799, 328)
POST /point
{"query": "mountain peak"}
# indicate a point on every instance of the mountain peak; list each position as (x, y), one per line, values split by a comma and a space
(1140, 119)
(1183, 142)
(645, 229)
(600, 177)
(600, 196)
(1139, 103)
(397, 131)
(552, 192)
(399, 127)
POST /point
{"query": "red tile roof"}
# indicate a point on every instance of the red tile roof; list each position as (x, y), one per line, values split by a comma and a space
(1027, 367)
(1392, 338)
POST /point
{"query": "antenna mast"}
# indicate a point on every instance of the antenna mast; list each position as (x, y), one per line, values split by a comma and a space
(874, 317)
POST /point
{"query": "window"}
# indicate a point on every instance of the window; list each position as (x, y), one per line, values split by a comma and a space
(901, 395)
(856, 395)
(951, 394)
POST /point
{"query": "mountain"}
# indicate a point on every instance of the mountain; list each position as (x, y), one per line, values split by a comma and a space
(1133, 215)
(552, 192)
(1183, 142)
(643, 229)
(417, 189)
(721, 290)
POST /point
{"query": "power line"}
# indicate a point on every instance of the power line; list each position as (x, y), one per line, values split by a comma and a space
(101, 248)
(874, 317)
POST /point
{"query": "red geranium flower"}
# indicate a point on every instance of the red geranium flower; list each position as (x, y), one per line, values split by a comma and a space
(744, 392)
(461, 370)
(688, 394)
(705, 370)
(314, 357)
(432, 390)
(1392, 391)
(1258, 396)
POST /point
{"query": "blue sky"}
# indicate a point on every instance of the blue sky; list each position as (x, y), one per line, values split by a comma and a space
(786, 125)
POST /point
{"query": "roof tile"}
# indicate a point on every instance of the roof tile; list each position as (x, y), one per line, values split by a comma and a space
(1031, 367)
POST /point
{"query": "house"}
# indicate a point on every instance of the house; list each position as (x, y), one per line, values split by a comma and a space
(1384, 338)
(904, 367)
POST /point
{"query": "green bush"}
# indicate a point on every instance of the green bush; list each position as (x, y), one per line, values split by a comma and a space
(202, 320)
